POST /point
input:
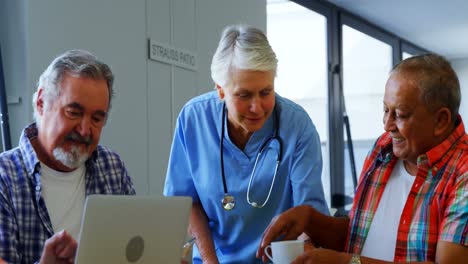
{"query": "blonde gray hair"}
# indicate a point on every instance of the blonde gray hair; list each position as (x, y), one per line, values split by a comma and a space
(241, 47)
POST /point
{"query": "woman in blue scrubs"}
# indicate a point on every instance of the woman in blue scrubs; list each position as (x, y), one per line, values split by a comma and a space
(242, 152)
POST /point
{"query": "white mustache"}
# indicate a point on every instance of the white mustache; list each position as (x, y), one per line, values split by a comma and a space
(77, 138)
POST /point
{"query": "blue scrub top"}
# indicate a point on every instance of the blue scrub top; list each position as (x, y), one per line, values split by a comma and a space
(194, 170)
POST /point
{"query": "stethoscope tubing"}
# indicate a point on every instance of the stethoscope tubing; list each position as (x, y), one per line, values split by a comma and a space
(262, 148)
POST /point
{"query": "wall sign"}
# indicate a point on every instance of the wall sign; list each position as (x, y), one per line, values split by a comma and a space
(168, 54)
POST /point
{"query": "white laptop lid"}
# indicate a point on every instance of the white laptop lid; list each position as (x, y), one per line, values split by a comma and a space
(133, 229)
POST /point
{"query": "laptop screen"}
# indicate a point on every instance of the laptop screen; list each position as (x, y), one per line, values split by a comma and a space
(133, 229)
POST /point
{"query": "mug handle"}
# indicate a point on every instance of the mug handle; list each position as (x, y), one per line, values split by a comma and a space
(267, 254)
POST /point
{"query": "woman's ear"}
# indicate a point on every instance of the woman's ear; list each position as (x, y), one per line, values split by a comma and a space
(220, 91)
(443, 121)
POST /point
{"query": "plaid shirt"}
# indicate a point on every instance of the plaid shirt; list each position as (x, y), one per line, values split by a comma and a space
(24, 221)
(437, 205)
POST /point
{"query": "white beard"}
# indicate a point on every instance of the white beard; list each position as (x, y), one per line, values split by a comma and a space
(72, 159)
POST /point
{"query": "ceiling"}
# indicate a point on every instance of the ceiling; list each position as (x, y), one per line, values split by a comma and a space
(439, 26)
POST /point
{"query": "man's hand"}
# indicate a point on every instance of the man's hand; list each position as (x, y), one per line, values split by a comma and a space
(321, 255)
(60, 248)
(287, 226)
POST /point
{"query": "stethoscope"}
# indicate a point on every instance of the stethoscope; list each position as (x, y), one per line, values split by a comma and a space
(228, 202)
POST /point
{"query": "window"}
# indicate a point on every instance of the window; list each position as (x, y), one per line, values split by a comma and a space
(366, 64)
(331, 61)
(299, 38)
(410, 50)
(406, 55)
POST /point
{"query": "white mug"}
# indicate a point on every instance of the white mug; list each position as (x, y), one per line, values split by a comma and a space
(284, 252)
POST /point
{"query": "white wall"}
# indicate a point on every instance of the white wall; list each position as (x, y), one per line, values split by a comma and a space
(461, 67)
(13, 44)
(149, 94)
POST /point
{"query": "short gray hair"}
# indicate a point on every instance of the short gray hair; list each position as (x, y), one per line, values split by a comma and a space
(436, 79)
(241, 47)
(77, 63)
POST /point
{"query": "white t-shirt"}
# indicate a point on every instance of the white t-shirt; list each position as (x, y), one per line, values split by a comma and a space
(64, 196)
(381, 239)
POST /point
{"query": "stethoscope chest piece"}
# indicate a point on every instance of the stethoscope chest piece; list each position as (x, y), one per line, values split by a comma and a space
(228, 202)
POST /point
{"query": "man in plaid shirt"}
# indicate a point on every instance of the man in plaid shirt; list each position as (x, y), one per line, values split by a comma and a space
(411, 204)
(58, 163)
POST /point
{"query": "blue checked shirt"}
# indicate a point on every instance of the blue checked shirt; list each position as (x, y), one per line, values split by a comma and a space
(24, 220)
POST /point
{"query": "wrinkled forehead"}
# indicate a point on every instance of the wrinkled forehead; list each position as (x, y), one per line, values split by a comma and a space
(407, 76)
(402, 89)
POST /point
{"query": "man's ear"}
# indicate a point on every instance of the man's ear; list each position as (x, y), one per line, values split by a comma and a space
(443, 121)
(40, 101)
(220, 91)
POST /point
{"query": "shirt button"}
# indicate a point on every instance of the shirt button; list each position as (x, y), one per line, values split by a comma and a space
(38, 188)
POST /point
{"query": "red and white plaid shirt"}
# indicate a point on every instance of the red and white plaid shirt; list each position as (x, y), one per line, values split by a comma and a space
(437, 205)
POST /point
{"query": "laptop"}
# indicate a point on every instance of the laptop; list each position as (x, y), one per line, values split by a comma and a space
(133, 229)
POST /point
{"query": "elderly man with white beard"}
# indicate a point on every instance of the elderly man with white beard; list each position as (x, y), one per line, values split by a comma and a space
(45, 180)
